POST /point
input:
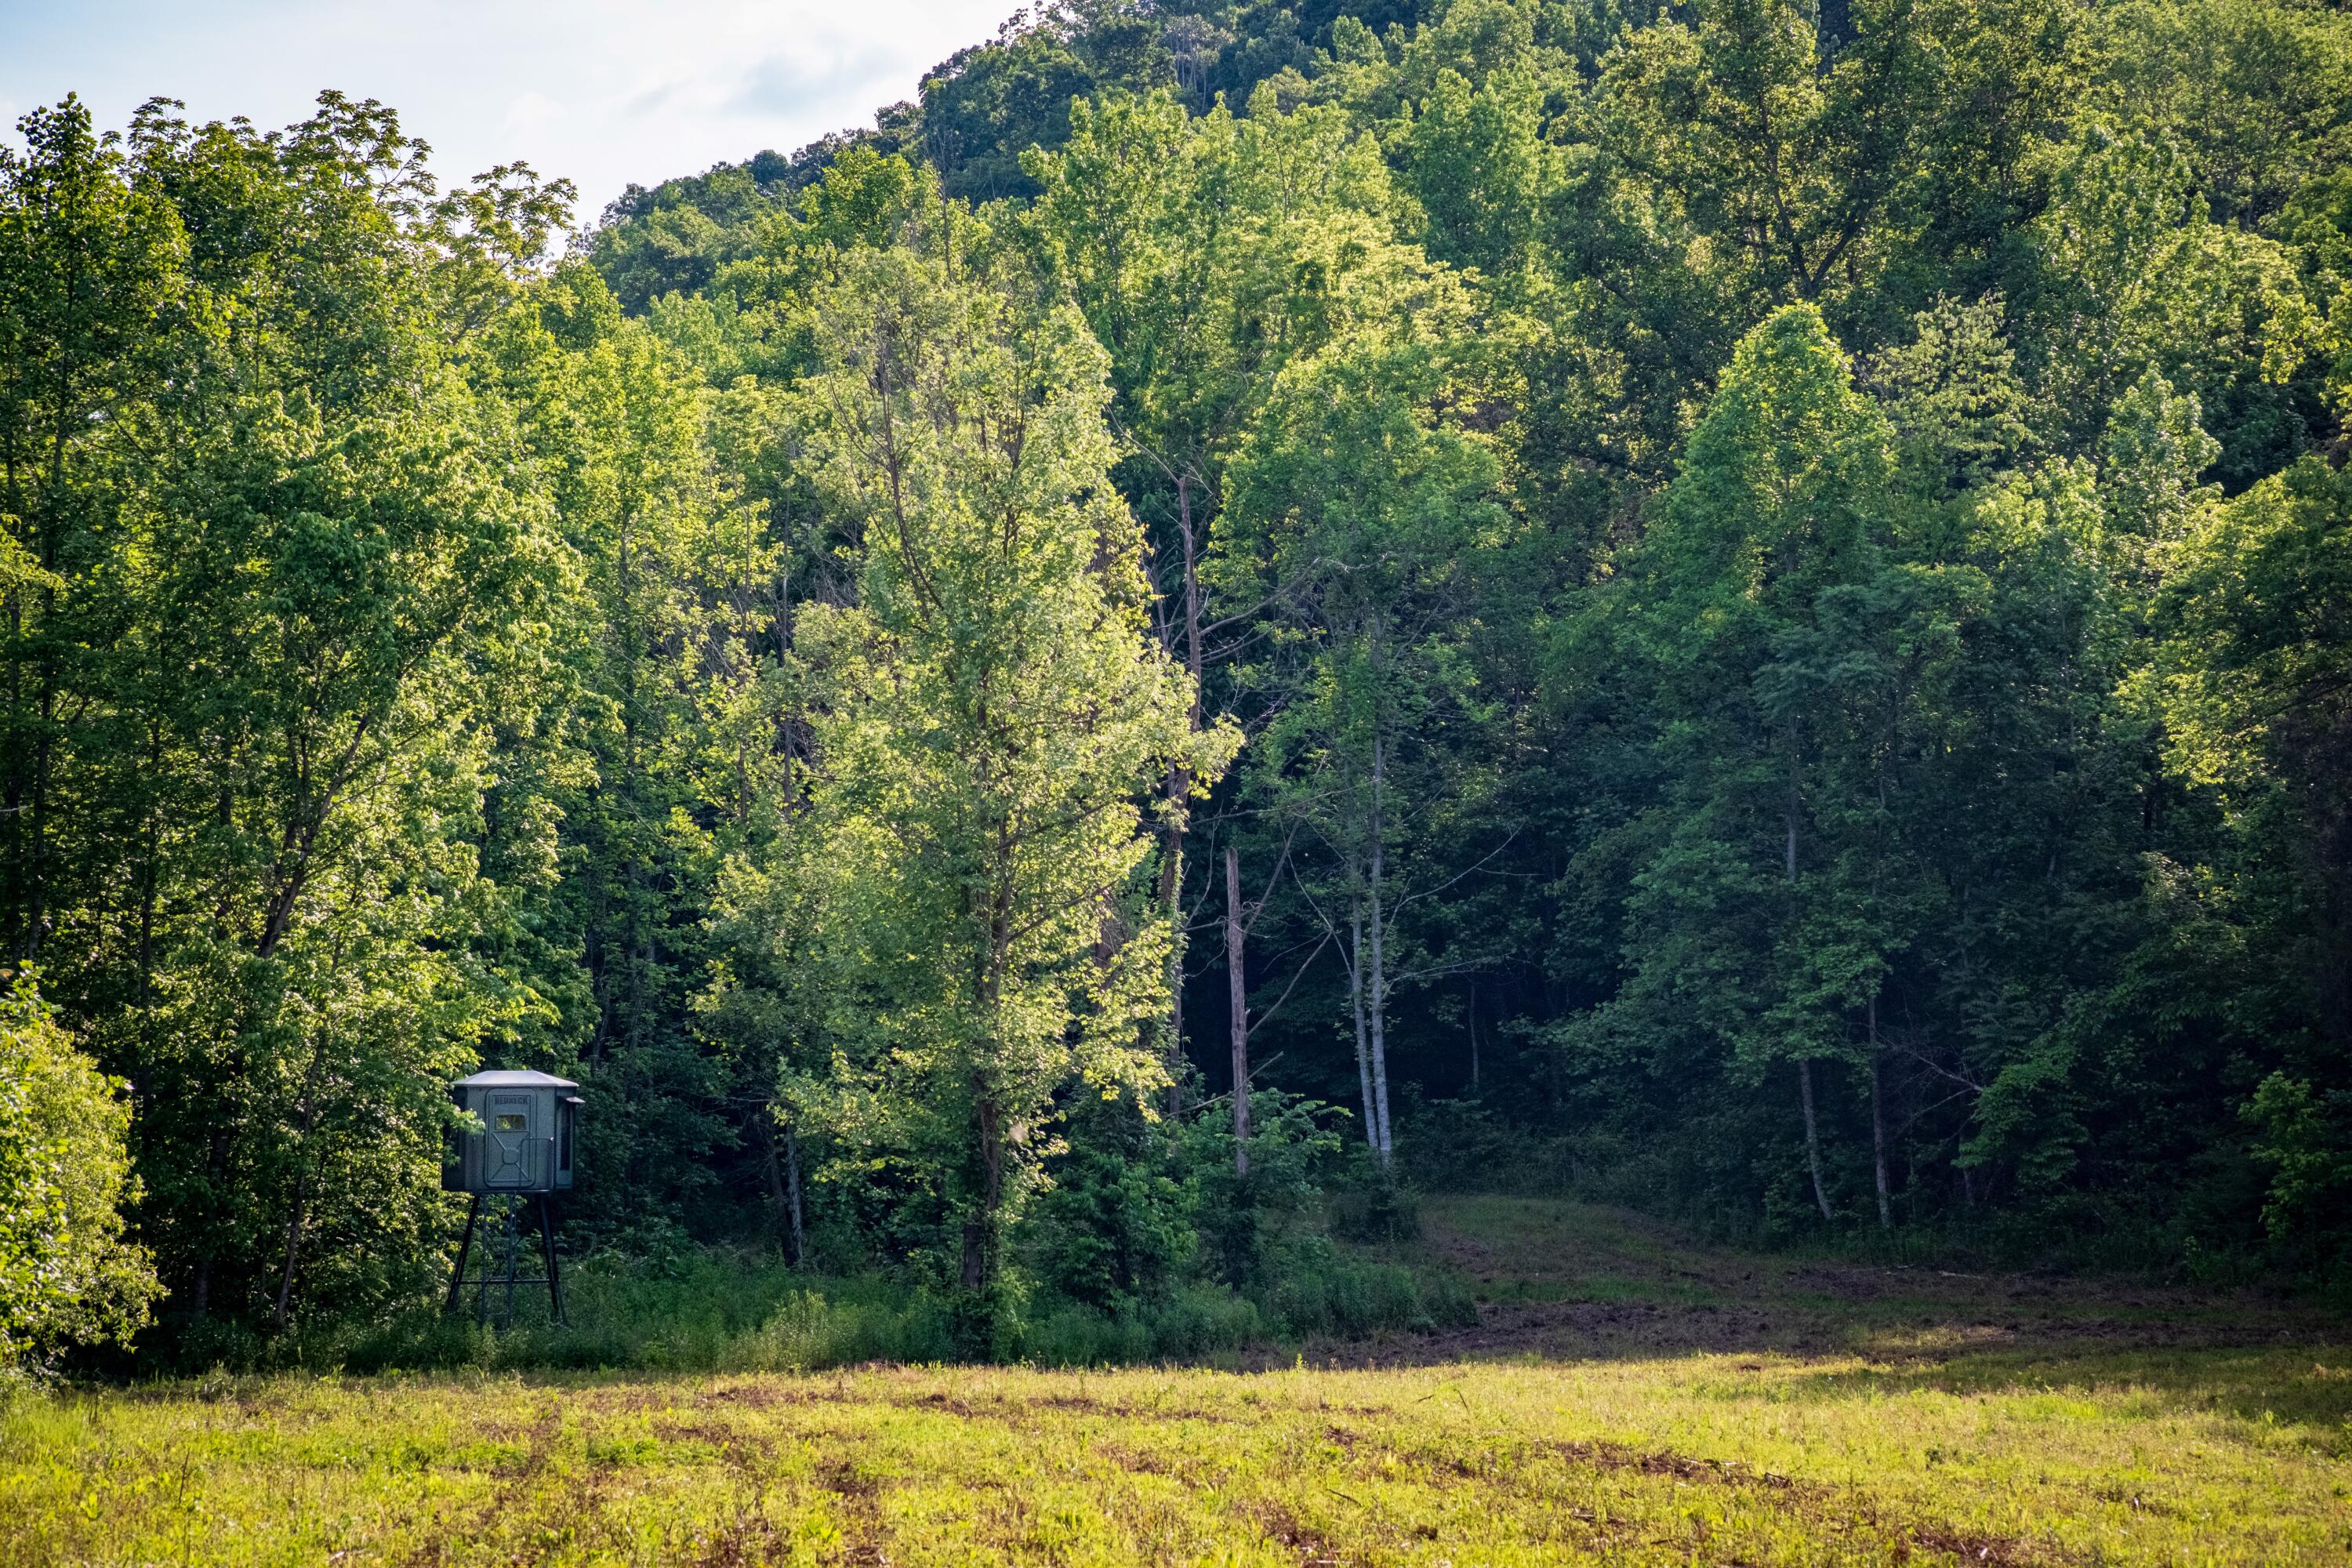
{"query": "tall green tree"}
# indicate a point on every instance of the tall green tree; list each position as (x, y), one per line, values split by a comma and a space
(1350, 508)
(2251, 675)
(993, 720)
(1746, 937)
(299, 583)
(1207, 253)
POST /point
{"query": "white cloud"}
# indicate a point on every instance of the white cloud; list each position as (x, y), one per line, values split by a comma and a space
(789, 83)
(604, 91)
(532, 108)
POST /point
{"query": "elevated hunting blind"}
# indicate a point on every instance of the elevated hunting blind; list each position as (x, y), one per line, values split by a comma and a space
(525, 1144)
(528, 1124)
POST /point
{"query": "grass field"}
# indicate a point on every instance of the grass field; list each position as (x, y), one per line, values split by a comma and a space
(1626, 1398)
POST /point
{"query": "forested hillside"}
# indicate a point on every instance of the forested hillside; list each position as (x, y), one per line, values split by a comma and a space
(1736, 608)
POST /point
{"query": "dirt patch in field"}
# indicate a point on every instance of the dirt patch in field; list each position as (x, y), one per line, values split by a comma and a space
(1019, 1409)
(1625, 1286)
(2001, 1552)
(1280, 1526)
(844, 1478)
(750, 1538)
(862, 1529)
(1833, 1510)
(744, 1450)
(1815, 1499)
(1573, 1330)
(1662, 1462)
(781, 1390)
(1596, 1330)
(1132, 1461)
(766, 1393)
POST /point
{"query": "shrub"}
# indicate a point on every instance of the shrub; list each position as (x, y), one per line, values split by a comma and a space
(1374, 1205)
(1114, 1228)
(1295, 1147)
(68, 1275)
(1323, 1292)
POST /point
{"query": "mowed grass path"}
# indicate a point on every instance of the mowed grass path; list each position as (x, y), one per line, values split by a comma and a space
(1955, 1422)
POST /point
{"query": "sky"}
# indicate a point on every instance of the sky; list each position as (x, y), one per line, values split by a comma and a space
(604, 92)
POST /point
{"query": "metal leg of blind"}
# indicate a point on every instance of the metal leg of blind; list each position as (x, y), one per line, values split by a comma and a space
(554, 1275)
(457, 1273)
(514, 1245)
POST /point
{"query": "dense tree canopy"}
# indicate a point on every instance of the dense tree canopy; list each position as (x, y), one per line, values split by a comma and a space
(1743, 604)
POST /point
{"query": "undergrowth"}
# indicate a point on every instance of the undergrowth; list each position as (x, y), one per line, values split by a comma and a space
(722, 1310)
(1464, 1147)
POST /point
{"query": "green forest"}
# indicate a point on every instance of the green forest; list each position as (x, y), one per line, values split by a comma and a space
(1237, 616)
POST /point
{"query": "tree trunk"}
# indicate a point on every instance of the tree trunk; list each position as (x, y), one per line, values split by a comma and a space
(1172, 895)
(149, 860)
(779, 1192)
(1237, 999)
(1812, 1134)
(974, 1272)
(12, 782)
(1878, 1125)
(980, 1232)
(1192, 592)
(293, 1249)
(792, 1193)
(36, 917)
(1356, 1006)
(1379, 972)
(33, 887)
(1804, 1065)
(308, 1120)
(1474, 1037)
(199, 1291)
(1180, 790)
